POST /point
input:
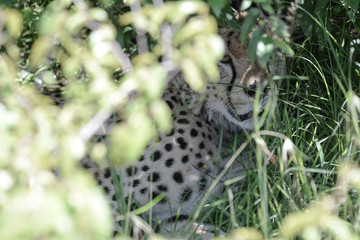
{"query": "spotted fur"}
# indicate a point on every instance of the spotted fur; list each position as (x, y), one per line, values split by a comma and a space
(182, 165)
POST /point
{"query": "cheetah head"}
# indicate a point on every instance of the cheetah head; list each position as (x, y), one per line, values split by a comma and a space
(232, 98)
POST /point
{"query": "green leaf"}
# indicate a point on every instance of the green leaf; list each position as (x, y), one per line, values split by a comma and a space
(39, 51)
(227, 18)
(192, 74)
(264, 50)
(305, 20)
(48, 77)
(5, 2)
(183, 9)
(98, 14)
(253, 44)
(162, 115)
(321, 5)
(280, 28)
(152, 81)
(128, 140)
(267, 8)
(284, 46)
(194, 27)
(14, 22)
(51, 23)
(353, 6)
(216, 6)
(245, 5)
(248, 24)
(210, 49)
(70, 66)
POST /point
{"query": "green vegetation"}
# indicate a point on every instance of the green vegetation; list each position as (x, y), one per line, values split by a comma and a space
(305, 180)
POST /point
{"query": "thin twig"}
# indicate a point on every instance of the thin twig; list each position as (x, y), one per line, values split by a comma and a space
(141, 38)
(166, 37)
(124, 60)
(116, 99)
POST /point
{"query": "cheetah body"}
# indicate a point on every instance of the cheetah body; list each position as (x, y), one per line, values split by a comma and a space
(182, 164)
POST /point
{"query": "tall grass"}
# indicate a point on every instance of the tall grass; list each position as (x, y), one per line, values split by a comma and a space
(305, 180)
(310, 189)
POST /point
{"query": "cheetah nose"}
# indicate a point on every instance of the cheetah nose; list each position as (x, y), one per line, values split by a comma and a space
(251, 89)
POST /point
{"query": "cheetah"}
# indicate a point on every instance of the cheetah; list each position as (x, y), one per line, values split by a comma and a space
(182, 164)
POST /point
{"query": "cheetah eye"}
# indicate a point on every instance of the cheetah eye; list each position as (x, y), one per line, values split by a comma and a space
(226, 59)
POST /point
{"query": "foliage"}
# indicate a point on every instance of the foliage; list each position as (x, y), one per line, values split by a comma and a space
(264, 39)
(71, 48)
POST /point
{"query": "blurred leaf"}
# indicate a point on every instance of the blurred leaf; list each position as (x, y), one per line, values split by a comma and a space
(13, 51)
(216, 6)
(227, 18)
(43, 202)
(305, 21)
(102, 34)
(106, 3)
(14, 22)
(280, 28)
(209, 54)
(70, 67)
(98, 152)
(252, 48)
(162, 115)
(353, 8)
(39, 51)
(245, 5)
(128, 140)
(316, 217)
(248, 24)
(5, 2)
(48, 77)
(246, 234)
(154, 82)
(183, 9)
(192, 74)
(51, 23)
(284, 47)
(267, 8)
(321, 5)
(264, 50)
(217, 46)
(194, 27)
(98, 14)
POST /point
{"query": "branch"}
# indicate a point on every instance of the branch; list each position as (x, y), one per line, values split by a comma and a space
(118, 98)
(141, 38)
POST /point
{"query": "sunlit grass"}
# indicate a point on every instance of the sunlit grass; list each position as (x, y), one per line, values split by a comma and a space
(304, 194)
(301, 184)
